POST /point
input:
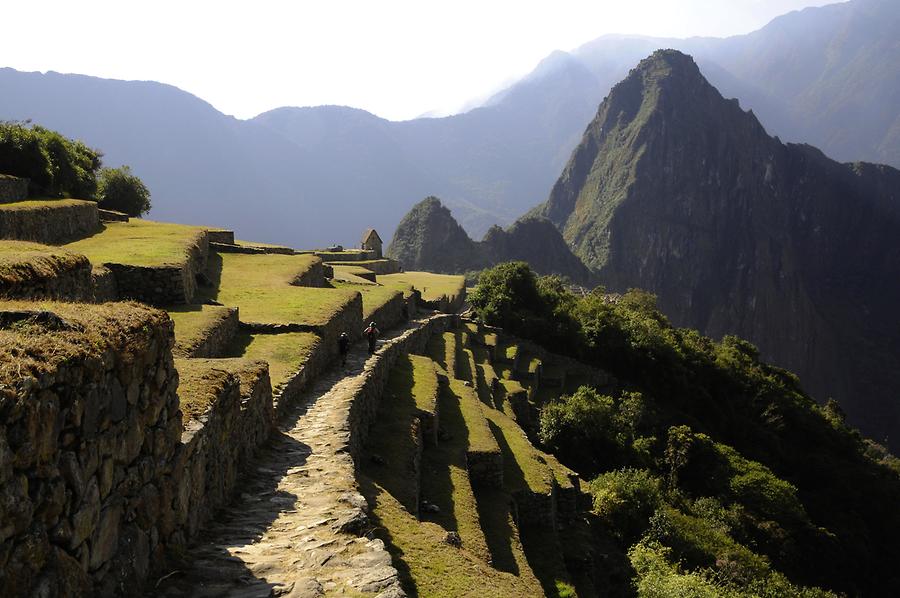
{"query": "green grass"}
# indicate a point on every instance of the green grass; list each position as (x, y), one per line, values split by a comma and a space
(433, 287)
(480, 438)
(524, 467)
(139, 243)
(445, 479)
(259, 285)
(256, 244)
(194, 322)
(359, 263)
(442, 350)
(411, 388)
(21, 261)
(41, 204)
(374, 297)
(428, 567)
(286, 352)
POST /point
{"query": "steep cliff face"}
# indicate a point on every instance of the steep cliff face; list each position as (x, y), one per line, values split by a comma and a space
(429, 238)
(677, 190)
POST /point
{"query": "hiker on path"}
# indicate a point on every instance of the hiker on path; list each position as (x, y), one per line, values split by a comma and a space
(344, 347)
(371, 333)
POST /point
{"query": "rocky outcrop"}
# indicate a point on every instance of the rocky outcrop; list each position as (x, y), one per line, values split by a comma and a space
(428, 238)
(676, 190)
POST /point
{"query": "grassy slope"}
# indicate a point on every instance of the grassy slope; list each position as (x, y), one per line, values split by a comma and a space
(286, 353)
(373, 296)
(259, 285)
(432, 286)
(41, 204)
(139, 243)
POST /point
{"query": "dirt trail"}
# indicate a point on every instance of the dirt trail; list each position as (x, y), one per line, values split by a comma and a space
(293, 528)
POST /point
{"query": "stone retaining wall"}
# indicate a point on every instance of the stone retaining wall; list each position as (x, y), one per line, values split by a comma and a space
(12, 188)
(51, 225)
(169, 284)
(249, 249)
(113, 216)
(103, 283)
(84, 452)
(364, 407)
(445, 304)
(221, 236)
(216, 342)
(314, 277)
(286, 395)
(69, 281)
(391, 313)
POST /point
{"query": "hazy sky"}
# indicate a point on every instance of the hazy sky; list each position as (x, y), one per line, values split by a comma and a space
(396, 58)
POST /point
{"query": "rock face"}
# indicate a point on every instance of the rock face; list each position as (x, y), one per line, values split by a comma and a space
(429, 238)
(677, 190)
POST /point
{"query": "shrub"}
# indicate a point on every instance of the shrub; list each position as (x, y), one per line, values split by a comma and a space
(56, 166)
(626, 500)
(122, 191)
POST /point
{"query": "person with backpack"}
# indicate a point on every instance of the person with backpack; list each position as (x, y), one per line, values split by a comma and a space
(344, 346)
(371, 334)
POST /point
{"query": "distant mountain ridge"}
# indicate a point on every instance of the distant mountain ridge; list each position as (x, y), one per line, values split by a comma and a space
(825, 75)
(429, 238)
(678, 191)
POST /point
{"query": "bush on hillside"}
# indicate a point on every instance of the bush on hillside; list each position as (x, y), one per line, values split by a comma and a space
(121, 190)
(56, 165)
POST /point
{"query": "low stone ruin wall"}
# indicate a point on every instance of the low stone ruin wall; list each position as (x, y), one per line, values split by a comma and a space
(12, 188)
(169, 284)
(103, 283)
(445, 304)
(223, 236)
(314, 277)
(348, 320)
(87, 442)
(47, 277)
(286, 395)
(216, 342)
(352, 256)
(249, 249)
(113, 216)
(54, 224)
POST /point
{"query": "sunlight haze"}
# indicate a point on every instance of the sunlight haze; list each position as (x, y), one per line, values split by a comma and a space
(397, 59)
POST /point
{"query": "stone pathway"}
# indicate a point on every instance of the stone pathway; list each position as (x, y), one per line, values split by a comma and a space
(294, 528)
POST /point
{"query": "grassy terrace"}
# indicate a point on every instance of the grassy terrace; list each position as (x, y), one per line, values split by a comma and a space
(255, 244)
(442, 350)
(259, 285)
(479, 436)
(286, 353)
(432, 286)
(139, 243)
(194, 323)
(41, 204)
(524, 467)
(374, 297)
(21, 261)
(411, 388)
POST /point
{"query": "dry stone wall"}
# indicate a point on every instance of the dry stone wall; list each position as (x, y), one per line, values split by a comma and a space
(314, 277)
(169, 284)
(12, 188)
(86, 442)
(215, 343)
(66, 280)
(51, 225)
(103, 284)
(392, 313)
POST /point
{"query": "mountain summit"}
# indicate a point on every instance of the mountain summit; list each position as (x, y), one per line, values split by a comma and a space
(679, 191)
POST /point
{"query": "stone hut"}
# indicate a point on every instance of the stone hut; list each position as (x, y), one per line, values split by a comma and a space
(372, 242)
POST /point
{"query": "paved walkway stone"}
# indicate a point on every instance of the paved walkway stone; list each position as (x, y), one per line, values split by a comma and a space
(293, 530)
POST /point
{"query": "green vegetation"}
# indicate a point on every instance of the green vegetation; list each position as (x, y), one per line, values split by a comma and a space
(260, 286)
(119, 189)
(21, 261)
(41, 204)
(433, 287)
(442, 349)
(285, 352)
(139, 243)
(480, 438)
(716, 461)
(56, 166)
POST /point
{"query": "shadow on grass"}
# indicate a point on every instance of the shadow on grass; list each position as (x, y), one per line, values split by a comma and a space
(437, 483)
(436, 349)
(513, 476)
(494, 513)
(211, 279)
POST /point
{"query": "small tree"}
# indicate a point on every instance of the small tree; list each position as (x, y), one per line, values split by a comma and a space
(121, 190)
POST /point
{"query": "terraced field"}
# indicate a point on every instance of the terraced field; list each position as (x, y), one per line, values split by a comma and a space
(139, 243)
(477, 513)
